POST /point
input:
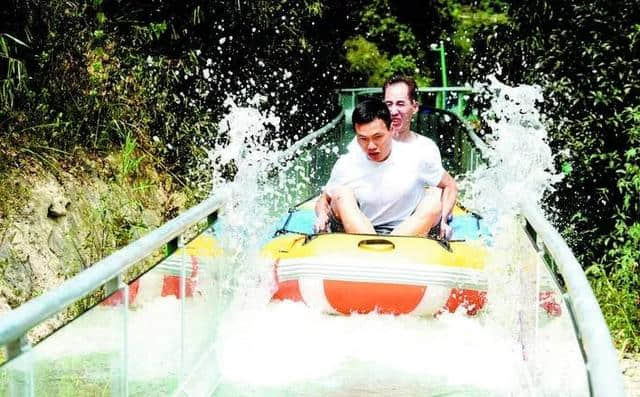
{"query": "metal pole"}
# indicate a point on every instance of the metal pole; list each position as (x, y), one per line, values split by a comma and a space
(441, 99)
(443, 70)
(443, 66)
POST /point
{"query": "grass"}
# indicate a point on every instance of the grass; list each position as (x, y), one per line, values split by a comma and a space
(86, 375)
(619, 301)
(129, 160)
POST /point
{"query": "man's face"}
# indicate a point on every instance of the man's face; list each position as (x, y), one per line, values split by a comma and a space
(375, 139)
(402, 108)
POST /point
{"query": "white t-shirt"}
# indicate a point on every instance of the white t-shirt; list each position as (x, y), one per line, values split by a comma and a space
(387, 191)
(424, 147)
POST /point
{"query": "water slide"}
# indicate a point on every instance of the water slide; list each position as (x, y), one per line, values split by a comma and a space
(200, 321)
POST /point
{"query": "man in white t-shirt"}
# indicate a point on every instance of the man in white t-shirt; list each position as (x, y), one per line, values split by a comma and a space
(380, 188)
(400, 95)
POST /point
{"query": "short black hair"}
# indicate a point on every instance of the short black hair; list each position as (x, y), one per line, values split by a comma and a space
(370, 109)
(411, 85)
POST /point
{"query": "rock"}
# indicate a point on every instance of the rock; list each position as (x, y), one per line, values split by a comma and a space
(4, 306)
(57, 242)
(17, 282)
(630, 366)
(58, 207)
(150, 219)
(175, 204)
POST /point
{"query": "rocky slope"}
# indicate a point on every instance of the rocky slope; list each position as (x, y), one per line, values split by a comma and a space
(57, 221)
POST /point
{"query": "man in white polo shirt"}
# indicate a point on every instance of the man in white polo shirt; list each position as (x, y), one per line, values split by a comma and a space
(380, 188)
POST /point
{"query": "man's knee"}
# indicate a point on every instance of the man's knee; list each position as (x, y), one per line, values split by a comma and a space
(430, 206)
(341, 198)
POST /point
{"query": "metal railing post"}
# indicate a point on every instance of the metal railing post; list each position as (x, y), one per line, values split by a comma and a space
(120, 385)
(21, 379)
(183, 289)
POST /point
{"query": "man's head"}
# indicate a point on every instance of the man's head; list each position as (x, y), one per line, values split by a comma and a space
(371, 121)
(400, 96)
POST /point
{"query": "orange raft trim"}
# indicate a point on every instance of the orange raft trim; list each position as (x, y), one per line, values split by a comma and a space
(347, 297)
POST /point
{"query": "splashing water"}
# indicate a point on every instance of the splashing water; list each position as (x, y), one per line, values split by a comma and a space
(248, 156)
(520, 168)
(520, 162)
(251, 169)
(275, 348)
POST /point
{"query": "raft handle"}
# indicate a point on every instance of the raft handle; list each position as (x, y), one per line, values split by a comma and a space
(376, 244)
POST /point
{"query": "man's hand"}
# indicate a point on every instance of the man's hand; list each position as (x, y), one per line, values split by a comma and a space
(322, 223)
(445, 230)
(322, 210)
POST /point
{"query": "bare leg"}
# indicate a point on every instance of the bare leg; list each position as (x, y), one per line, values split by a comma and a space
(345, 207)
(426, 215)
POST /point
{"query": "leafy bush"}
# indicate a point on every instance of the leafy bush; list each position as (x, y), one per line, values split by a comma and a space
(365, 58)
(394, 39)
(470, 18)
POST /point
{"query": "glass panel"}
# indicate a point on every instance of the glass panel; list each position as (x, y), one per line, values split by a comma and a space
(201, 303)
(81, 359)
(448, 132)
(16, 377)
(154, 331)
(305, 174)
(560, 369)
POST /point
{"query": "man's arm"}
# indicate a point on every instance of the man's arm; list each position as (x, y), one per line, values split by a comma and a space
(449, 194)
(323, 206)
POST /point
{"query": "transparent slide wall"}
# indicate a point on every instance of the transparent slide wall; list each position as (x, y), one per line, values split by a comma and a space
(148, 344)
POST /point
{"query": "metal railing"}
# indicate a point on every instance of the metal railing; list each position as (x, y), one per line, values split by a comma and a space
(349, 97)
(309, 138)
(601, 358)
(109, 273)
(14, 325)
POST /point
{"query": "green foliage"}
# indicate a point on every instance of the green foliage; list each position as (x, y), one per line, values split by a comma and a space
(98, 71)
(129, 161)
(368, 54)
(14, 81)
(617, 286)
(315, 8)
(619, 290)
(157, 29)
(470, 18)
(402, 64)
(365, 57)
(384, 27)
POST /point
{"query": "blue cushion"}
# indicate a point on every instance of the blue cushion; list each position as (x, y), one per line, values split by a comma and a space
(301, 221)
(469, 227)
